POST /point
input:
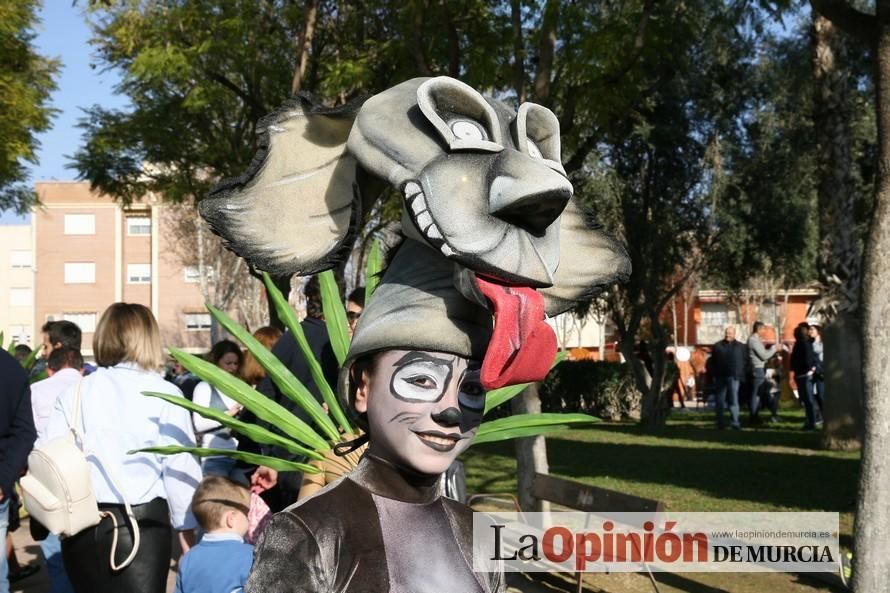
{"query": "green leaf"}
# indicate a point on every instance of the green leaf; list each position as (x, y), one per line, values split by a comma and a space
(373, 269)
(526, 425)
(32, 358)
(281, 465)
(278, 372)
(253, 431)
(496, 397)
(264, 408)
(39, 376)
(11, 349)
(334, 315)
(286, 314)
(1, 339)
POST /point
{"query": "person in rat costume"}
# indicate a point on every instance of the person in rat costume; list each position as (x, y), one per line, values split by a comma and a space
(491, 232)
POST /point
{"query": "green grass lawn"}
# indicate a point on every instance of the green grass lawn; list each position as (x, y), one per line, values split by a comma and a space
(692, 466)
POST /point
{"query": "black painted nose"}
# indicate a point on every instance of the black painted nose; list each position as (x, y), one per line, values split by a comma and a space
(448, 417)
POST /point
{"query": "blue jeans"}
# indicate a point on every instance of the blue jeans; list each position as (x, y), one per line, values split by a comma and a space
(805, 392)
(55, 566)
(223, 466)
(760, 393)
(4, 567)
(731, 385)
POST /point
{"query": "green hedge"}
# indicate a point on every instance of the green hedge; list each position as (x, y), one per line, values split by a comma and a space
(603, 389)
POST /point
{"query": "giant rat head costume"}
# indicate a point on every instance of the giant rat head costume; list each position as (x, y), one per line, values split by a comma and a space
(492, 230)
(491, 233)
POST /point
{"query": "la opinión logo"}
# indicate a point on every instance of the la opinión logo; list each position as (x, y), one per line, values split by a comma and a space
(559, 544)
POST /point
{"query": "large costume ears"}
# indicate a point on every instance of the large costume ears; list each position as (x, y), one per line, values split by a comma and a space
(296, 208)
(589, 261)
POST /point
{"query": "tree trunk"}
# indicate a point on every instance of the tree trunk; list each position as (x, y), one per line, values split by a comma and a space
(840, 255)
(871, 571)
(546, 50)
(283, 284)
(303, 45)
(843, 383)
(531, 453)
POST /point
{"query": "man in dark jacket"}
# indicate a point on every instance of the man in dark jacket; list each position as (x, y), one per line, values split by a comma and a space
(17, 436)
(729, 358)
(288, 352)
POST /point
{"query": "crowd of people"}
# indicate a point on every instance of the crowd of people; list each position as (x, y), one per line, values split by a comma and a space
(213, 507)
(735, 367)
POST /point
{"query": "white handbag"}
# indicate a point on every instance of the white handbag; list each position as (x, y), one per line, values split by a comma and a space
(59, 494)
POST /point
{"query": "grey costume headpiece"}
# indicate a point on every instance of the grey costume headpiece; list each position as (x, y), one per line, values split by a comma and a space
(489, 219)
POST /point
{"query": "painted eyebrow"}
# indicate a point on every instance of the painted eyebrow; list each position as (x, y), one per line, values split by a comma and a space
(415, 356)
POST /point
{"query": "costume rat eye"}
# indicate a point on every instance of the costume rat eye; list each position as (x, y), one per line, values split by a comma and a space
(536, 131)
(467, 130)
(420, 381)
(461, 116)
(471, 395)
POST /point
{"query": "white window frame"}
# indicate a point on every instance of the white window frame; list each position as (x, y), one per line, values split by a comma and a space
(20, 334)
(80, 224)
(191, 274)
(138, 273)
(21, 296)
(135, 230)
(21, 259)
(194, 321)
(715, 315)
(77, 272)
(85, 320)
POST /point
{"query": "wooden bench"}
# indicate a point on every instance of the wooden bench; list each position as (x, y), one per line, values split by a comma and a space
(585, 498)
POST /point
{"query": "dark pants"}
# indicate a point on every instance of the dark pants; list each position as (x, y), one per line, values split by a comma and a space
(760, 393)
(805, 392)
(728, 386)
(818, 396)
(87, 554)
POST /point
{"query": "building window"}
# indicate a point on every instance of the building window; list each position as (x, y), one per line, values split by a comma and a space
(138, 225)
(20, 258)
(80, 273)
(80, 224)
(714, 314)
(21, 334)
(138, 273)
(197, 321)
(85, 321)
(192, 274)
(21, 297)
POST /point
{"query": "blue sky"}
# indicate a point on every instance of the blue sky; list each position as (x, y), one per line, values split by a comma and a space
(64, 34)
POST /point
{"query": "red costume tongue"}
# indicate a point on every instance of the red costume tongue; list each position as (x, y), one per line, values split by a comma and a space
(523, 345)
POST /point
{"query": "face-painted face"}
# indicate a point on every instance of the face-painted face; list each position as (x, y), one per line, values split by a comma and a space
(423, 407)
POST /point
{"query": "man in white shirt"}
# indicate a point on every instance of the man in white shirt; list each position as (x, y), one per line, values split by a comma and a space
(65, 368)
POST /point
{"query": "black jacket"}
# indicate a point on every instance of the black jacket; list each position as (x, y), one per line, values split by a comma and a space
(288, 352)
(730, 359)
(17, 433)
(803, 357)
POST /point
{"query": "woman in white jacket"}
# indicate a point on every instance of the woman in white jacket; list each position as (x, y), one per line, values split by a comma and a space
(115, 418)
(211, 434)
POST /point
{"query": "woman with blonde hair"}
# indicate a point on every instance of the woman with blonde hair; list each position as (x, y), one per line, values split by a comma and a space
(115, 418)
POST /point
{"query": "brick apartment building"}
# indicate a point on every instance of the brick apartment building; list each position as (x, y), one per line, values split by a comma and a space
(17, 296)
(89, 252)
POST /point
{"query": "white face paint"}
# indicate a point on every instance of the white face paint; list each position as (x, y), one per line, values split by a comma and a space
(423, 407)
